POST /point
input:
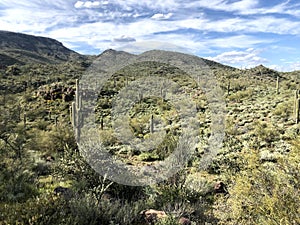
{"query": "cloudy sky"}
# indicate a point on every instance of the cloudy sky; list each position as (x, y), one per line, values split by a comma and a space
(242, 33)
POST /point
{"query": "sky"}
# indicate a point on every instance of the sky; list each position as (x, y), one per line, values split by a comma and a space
(239, 33)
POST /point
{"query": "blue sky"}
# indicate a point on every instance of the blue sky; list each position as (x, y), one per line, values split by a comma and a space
(241, 33)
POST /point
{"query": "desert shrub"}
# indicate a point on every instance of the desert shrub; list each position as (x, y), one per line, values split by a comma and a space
(170, 220)
(269, 156)
(228, 158)
(262, 194)
(140, 126)
(71, 165)
(42, 169)
(240, 95)
(167, 146)
(283, 110)
(52, 140)
(49, 209)
(265, 134)
(107, 137)
(238, 85)
(148, 156)
(231, 127)
(176, 199)
(17, 183)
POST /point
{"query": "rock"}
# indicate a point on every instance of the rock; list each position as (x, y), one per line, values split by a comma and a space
(184, 221)
(151, 216)
(48, 158)
(220, 187)
(56, 91)
(63, 191)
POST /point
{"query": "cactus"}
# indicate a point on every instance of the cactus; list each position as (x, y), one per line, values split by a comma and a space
(56, 120)
(101, 123)
(297, 106)
(4, 97)
(141, 96)
(151, 124)
(162, 92)
(24, 119)
(115, 82)
(297, 110)
(77, 119)
(277, 85)
(228, 88)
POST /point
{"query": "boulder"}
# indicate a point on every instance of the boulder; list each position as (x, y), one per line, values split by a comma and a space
(184, 221)
(66, 193)
(151, 216)
(220, 187)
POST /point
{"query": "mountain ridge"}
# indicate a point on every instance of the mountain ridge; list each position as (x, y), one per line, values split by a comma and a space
(23, 48)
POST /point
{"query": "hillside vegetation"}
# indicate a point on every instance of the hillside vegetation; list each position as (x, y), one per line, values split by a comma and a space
(45, 180)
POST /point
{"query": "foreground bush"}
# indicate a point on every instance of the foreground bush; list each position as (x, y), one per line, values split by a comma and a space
(265, 193)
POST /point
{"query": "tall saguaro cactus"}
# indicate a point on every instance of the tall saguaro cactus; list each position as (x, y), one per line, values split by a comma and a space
(77, 119)
(228, 87)
(151, 124)
(277, 85)
(297, 106)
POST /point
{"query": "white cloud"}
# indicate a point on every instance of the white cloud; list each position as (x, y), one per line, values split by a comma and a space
(79, 5)
(279, 68)
(160, 16)
(32, 5)
(153, 5)
(294, 66)
(90, 4)
(237, 41)
(249, 58)
(224, 5)
(140, 47)
(246, 7)
(124, 38)
(284, 8)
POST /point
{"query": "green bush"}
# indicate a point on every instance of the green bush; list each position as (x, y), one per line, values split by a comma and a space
(263, 194)
(284, 110)
(240, 96)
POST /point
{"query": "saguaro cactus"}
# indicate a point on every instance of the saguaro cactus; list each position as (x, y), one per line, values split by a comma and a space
(297, 106)
(228, 88)
(115, 82)
(77, 119)
(297, 110)
(24, 119)
(162, 93)
(151, 124)
(101, 123)
(141, 96)
(277, 85)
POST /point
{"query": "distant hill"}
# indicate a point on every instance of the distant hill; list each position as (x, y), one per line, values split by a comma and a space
(114, 54)
(262, 71)
(22, 49)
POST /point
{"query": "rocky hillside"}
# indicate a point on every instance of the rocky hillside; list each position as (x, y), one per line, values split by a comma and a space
(22, 48)
(252, 179)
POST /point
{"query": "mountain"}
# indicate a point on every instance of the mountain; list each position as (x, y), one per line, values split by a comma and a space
(23, 48)
(262, 71)
(112, 55)
(19, 48)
